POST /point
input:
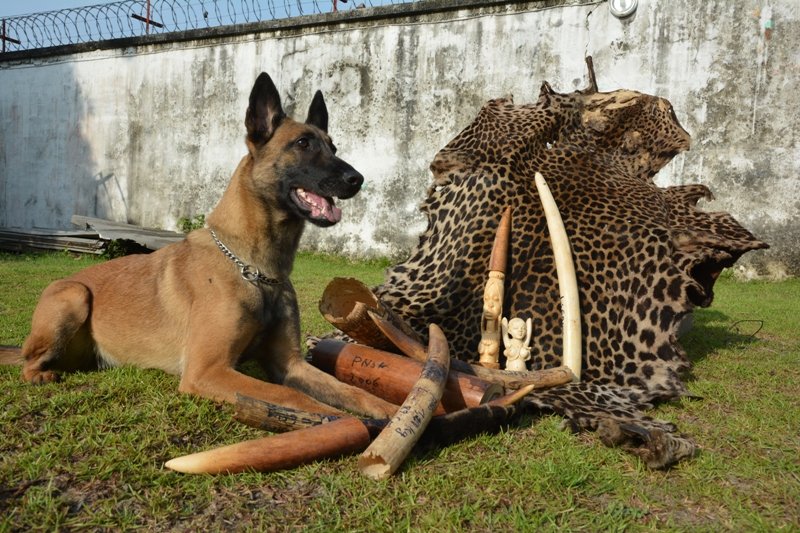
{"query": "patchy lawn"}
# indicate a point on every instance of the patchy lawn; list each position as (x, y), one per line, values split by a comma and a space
(88, 453)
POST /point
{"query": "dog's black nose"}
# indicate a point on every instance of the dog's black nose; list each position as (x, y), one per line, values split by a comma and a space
(354, 179)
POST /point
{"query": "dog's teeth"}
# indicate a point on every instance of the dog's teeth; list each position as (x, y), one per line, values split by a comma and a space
(319, 206)
(307, 198)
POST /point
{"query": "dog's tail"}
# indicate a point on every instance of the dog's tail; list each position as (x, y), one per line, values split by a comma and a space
(11, 355)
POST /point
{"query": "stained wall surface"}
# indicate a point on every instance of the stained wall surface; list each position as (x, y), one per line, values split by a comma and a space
(151, 130)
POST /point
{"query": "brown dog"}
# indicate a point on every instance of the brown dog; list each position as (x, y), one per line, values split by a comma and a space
(197, 307)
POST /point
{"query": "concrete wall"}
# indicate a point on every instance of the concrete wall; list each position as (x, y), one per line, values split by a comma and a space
(148, 131)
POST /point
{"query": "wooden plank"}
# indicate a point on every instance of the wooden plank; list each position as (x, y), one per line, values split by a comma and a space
(22, 240)
(86, 234)
(108, 229)
(92, 237)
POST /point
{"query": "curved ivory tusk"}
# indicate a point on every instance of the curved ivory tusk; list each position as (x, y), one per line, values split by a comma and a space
(510, 379)
(277, 418)
(567, 281)
(279, 452)
(499, 258)
(513, 397)
(410, 347)
(489, 345)
(391, 377)
(346, 302)
(395, 442)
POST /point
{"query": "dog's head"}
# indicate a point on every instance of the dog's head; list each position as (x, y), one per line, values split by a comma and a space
(295, 163)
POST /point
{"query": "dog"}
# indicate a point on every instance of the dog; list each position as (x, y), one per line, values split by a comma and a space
(197, 307)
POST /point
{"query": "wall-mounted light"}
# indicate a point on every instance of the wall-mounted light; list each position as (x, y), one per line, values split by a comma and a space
(622, 8)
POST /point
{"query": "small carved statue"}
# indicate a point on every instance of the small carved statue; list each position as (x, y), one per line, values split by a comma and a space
(489, 347)
(517, 340)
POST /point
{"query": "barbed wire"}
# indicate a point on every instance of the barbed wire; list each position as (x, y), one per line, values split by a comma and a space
(134, 18)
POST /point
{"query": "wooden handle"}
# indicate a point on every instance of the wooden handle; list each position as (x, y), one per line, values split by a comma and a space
(391, 376)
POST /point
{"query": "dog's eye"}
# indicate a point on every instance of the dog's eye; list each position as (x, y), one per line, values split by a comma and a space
(333, 148)
(302, 142)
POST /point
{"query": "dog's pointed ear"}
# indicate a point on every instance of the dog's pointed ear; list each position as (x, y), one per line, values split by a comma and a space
(264, 113)
(318, 113)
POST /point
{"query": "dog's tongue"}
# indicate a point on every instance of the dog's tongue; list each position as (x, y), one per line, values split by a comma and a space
(322, 208)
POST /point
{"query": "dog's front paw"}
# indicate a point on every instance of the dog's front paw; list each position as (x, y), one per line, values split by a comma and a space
(40, 377)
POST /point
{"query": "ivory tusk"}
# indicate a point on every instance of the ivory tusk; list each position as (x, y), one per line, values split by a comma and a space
(278, 452)
(408, 345)
(391, 377)
(513, 397)
(489, 345)
(346, 303)
(499, 258)
(384, 456)
(567, 281)
(273, 417)
(510, 379)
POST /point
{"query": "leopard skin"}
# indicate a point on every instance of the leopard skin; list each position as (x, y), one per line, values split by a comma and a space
(645, 256)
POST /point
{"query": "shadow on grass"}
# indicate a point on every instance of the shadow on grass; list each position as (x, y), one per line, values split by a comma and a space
(713, 331)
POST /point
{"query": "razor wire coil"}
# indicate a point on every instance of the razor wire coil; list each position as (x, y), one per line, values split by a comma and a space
(135, 18)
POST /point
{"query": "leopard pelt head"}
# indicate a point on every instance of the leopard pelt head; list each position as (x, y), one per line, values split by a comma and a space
(645, 256)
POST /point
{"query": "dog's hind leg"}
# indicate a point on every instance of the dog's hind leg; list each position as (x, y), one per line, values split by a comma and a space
(59, 338)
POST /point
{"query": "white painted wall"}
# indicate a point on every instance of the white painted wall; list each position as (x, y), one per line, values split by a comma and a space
(152, 132)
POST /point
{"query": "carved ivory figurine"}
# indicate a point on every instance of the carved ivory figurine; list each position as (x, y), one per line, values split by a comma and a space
(517, 340)
(489, 347)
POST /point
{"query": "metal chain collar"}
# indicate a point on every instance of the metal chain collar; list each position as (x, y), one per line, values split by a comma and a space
(248, 272)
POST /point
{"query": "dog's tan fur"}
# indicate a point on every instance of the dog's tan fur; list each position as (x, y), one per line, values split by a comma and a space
(187, 310)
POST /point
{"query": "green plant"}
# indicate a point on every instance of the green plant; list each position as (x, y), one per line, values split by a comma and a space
(187, 225)
(114, 248)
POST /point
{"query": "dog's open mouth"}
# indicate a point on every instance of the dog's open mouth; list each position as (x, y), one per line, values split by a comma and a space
(317, 207)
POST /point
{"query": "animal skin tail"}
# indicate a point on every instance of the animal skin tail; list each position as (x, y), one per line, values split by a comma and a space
(11, 355)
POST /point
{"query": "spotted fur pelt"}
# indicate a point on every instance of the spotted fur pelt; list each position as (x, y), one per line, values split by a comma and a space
(645, 256)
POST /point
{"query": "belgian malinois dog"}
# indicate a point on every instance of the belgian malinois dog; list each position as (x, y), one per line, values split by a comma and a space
(197, 307)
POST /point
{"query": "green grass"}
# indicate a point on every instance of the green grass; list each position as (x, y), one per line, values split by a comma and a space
(88, 453)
